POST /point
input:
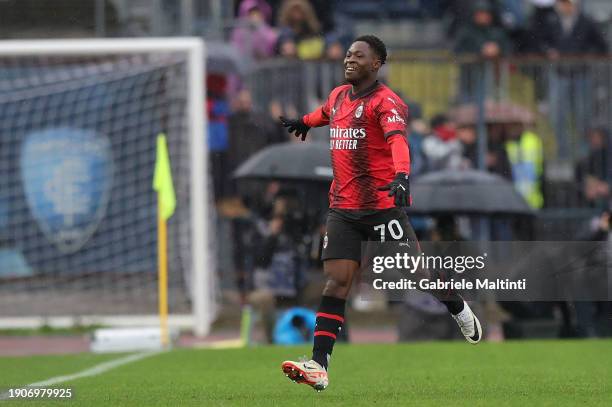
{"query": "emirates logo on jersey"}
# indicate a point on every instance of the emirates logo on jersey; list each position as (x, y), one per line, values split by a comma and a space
(345, 139)
(348, 133)
(359, 111)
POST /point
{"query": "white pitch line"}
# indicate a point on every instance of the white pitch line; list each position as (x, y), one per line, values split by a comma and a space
(92, 371)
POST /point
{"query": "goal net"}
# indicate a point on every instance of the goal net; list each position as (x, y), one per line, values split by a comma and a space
(78, 216)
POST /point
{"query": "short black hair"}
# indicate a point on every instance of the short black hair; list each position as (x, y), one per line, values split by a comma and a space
(376, 44)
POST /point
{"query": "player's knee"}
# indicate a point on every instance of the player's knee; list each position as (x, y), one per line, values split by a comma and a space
(337, 278)
(336, 289)
(338, 283)
(339, 275)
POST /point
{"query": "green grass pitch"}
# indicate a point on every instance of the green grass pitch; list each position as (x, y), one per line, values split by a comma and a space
(530, 373)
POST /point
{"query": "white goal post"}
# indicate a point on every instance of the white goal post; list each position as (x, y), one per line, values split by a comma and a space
(19, 59)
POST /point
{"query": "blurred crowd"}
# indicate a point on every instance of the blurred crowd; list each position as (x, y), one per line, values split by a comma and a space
(291, 28)
(555, 28)
(318, 29)
(514, 151)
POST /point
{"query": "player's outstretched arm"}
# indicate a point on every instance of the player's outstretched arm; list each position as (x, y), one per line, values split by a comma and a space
(318, 118)
(297, 126)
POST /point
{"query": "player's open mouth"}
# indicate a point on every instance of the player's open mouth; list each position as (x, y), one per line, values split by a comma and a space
(350, 69)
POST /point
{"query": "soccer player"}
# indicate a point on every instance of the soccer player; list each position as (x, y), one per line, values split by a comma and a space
(371, 165)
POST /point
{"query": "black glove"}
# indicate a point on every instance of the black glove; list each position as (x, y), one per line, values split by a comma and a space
(298, 126)
(400, 187)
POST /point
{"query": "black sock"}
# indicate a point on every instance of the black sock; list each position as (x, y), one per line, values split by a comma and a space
(450, 298)
(330, 318)
(454, 306)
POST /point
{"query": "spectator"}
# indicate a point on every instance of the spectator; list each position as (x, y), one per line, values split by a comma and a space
(248, 131)
(511, 14)
(481, 36)
(342, 35)
(497, 158)
(415, 141)
(440, 155)
(593, 172)
(466, 135)
(443, 127)
(334, 49)
(325, 10)
(515, 21)
(218, 112)
(279, 267)
(253, 36)
(300, 31)
(568, 31)
(526, 156)
(275, 111)
(543, 11)
(591, 316)
(459, 15)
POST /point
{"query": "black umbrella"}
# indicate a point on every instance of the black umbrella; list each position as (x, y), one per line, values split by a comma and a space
(466, 192)
(289, 161)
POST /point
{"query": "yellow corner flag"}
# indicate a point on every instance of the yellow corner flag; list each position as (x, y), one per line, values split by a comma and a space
(162, 180)
(166, 203)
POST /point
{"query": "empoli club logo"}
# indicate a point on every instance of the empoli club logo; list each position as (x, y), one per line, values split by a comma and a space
(67, 177)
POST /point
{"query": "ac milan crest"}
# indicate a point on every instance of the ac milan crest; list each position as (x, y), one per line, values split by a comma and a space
(359, 111)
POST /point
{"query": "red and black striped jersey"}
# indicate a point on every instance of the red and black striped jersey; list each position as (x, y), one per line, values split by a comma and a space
(362, 128)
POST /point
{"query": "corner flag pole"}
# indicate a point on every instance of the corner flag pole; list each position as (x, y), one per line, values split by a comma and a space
(162, 272)
(166, 203)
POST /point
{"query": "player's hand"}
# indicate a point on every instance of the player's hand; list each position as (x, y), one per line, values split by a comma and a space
(297, 126)
(400, 187)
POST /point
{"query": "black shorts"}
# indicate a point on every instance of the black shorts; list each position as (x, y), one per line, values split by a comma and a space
(347, 229)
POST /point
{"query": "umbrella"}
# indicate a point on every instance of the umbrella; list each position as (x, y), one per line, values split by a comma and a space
(495, 112)
(289, 161)
(223, 58)
(467, 192)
